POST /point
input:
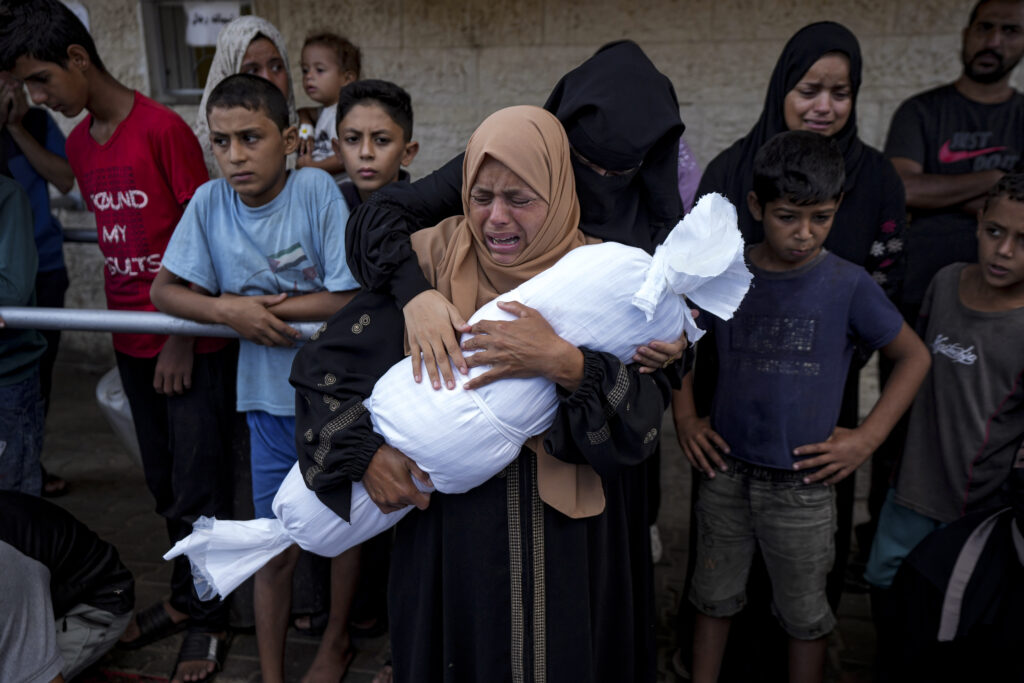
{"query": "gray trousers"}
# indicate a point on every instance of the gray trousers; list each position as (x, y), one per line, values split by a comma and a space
(85, 634)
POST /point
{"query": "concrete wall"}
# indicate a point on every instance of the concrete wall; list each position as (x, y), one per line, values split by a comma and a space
(462, 59)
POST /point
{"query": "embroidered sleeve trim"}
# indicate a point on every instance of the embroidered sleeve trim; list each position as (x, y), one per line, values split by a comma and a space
(333, 427)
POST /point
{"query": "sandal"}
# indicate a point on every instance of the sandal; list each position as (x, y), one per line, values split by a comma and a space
(203, 647)
(154, 624)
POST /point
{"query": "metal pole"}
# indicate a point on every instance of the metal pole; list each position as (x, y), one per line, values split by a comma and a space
(127, 322)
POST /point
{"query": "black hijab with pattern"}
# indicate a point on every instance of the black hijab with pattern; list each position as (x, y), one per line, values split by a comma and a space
(621, 113)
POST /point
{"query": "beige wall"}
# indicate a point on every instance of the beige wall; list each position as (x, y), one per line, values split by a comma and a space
(461, 60)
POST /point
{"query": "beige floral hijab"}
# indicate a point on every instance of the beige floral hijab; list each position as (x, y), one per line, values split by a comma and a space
(232, 42)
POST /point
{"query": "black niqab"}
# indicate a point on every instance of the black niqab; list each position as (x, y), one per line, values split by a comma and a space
(620, 112)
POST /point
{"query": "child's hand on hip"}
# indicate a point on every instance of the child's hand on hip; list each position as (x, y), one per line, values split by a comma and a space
(842, 453)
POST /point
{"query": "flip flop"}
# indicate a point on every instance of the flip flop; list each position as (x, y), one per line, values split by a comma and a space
(154, 624)
(203, 647)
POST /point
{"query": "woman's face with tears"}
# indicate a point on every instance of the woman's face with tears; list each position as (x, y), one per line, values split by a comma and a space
(504, 211)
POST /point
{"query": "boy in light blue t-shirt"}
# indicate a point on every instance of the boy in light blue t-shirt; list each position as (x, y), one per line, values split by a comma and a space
(263, 245)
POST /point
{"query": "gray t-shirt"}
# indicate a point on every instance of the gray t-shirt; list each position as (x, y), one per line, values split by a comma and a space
(28, 637)
(967, 421)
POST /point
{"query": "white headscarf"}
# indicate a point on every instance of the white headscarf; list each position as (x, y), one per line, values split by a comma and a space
(232, 42)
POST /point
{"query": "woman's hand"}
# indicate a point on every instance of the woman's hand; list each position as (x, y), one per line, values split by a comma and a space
(527, 347)
(659, 354)
(388, 481)
(431, 325)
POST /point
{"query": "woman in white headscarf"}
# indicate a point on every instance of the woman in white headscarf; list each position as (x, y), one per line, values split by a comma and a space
(250, 45)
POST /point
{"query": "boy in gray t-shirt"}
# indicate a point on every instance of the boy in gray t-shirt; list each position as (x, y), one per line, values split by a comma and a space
(967, 422)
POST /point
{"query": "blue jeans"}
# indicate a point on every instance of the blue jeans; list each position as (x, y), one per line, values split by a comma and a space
(794, 525)
(21, 436)
(899, 531)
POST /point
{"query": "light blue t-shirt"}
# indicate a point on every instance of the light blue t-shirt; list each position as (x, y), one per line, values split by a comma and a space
(294, 244)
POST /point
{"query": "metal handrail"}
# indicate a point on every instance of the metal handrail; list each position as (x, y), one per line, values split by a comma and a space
(81, 236)
(125, 322)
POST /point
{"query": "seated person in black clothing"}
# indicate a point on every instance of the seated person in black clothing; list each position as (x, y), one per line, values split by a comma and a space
(958, 599)
(65, 597)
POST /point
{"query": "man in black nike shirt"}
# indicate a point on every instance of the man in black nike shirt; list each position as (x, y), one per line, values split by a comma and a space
(950, 145)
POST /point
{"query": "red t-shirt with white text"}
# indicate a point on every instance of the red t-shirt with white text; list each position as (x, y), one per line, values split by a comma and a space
(136, 183)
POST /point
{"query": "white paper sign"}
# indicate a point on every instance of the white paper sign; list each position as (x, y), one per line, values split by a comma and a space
(206, 19)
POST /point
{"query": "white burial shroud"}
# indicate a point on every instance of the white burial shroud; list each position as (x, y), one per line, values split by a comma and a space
(607, 297)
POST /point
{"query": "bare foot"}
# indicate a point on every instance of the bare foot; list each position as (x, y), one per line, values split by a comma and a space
(331, 662)
(196, 670)
(384, 675)
(132, 632)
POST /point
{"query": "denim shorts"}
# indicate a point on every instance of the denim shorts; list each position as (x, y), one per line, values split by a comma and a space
(794, 525)
(272, 454)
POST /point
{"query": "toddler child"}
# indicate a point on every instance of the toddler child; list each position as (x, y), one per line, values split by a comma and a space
(967, 422)
(374, 137)
(264, 245)
(771, 449)
(329, 63)
(137, 164)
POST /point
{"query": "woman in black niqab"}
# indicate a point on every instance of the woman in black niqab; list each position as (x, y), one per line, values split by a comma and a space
(622, 119)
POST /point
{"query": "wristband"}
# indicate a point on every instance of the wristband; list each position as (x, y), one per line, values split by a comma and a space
(305, 131)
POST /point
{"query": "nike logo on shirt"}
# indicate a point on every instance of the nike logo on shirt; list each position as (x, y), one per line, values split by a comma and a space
(949, 156)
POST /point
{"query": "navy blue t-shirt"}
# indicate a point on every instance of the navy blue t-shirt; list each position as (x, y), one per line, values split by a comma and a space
(784, 356)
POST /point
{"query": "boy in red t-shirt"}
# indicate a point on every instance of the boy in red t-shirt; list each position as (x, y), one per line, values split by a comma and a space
(137, 164)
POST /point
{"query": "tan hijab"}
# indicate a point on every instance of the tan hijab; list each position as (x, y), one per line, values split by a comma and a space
(532, 144)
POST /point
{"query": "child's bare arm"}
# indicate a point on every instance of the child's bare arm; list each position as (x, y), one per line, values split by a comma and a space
(331, 164)
(248, 315)
(847, 449)
(308, 114)
(699, 441)
(312, 307)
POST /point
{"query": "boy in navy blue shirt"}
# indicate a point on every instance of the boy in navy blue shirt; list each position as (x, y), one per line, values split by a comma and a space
(771, 448)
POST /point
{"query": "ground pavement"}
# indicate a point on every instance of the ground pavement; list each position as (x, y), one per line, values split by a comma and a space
(108, 493)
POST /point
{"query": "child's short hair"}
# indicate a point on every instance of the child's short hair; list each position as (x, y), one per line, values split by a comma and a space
(1010, 186)
(799, 166)
(350, 58)
(393, 99)
(252, 93)
(43, 30)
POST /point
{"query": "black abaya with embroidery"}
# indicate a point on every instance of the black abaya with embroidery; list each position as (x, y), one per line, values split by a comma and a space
(493, 584)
